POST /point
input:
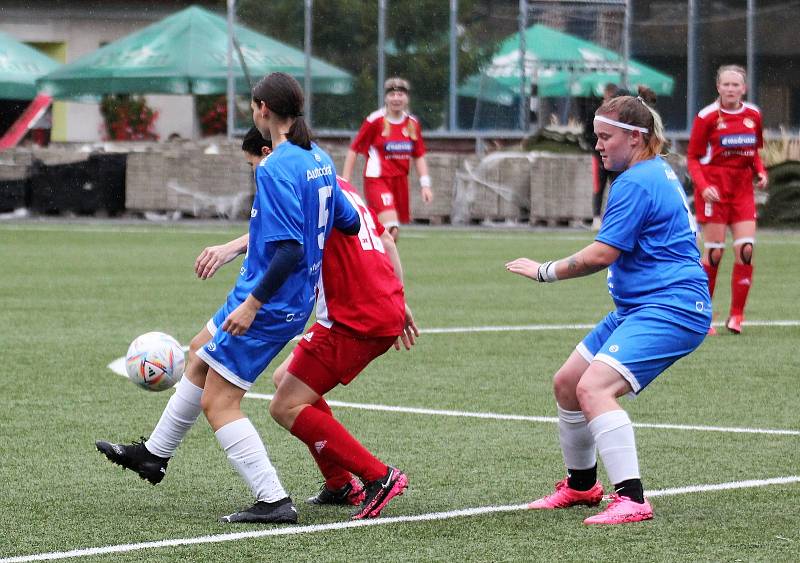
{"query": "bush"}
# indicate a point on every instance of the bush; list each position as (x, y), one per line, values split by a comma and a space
(128, 118)
(212, 113)
(783, 205)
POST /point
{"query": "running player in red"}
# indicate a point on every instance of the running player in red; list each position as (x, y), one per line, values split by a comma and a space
(361, 313)
(390, 138)
(722, 160)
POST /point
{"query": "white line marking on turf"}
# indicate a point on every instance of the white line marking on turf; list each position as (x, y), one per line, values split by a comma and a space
(550, 419)
(118, 367)
(295, 530)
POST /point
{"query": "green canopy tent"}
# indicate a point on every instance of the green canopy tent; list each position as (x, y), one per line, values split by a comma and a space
(20, 66)
(559, 64)
(186, 53)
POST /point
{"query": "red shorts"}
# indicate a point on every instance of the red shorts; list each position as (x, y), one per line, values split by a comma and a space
(388, 194)
(737, 203)
(325, 358)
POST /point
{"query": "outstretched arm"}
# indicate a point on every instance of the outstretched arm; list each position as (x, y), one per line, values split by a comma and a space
(349, 164)
(594, 258)
(212, 258)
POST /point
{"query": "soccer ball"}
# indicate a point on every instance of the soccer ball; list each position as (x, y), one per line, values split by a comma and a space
(154, 361)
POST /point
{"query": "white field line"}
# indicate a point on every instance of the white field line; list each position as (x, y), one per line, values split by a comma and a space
(296, 530)
(118, 367)
(415, 232)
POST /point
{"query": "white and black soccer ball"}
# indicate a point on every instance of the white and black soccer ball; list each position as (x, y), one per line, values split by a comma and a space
(154, 361)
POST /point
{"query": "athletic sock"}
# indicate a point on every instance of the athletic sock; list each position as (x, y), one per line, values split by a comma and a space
(578, 448)
(335, 476)
(613, 433)
(741, 280)
(631, 488)
(711, 272)
(333, 442)
(247, 454)
(178, 417)
(582, 479)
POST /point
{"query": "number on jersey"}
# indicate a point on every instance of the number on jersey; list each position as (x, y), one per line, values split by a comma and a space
(368, 235)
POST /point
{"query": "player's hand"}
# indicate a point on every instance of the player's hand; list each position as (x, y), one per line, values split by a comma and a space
(761, 182)
(710, 194)
(427, 195)
(240, 319)
(524, 267)
(212, 259)
(410, 332)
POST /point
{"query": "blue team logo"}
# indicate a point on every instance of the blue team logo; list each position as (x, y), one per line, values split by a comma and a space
(738, 140)
(253, 212)
(398, 146)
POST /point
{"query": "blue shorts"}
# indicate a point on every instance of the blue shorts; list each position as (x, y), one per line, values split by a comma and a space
(239, 359)
(639, 346)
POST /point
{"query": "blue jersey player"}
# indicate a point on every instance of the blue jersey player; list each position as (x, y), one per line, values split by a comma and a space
(296, 205)
(663, 310)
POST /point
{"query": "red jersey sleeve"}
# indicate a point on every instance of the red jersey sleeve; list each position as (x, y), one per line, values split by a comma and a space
(697, 149)
(363, 138)
(758, 165)
(419, 145)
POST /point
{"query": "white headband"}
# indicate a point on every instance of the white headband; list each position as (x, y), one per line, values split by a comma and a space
(619, 124)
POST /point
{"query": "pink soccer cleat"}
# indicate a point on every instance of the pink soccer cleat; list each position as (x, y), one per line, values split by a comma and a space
(734, 323)
(622, 510)
(712, 331)
(564, 497)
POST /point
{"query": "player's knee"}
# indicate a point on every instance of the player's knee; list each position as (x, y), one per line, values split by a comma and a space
(587, 393)
(278, 411)
(714, 256)
(745, 252)
(563, 388)
(198, 342)
(278, 376)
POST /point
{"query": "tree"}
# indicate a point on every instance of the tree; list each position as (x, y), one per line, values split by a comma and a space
(345, 33)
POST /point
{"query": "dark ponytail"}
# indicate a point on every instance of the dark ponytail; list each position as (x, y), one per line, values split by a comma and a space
(283, 96)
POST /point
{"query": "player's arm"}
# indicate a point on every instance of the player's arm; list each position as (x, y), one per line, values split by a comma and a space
(212, 258)
(424, 179)
(288, 253)
(698, 143)
(349, 164)
(345, 217)
(410, 331)
(594, 258)
(758, 165)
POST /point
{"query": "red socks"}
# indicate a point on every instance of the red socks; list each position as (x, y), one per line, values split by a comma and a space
(332, 445)
(741, 280)
(711, 272)
(335, 476)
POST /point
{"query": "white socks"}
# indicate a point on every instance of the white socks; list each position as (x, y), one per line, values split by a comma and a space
(247, 454)
(577, 442)
(613, 433)
(178, 417)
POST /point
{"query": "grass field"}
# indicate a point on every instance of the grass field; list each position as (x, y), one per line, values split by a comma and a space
(74, 295)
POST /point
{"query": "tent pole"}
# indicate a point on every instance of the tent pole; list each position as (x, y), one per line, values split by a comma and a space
(309, 7)
(453, 125)
(381, 49)
(523, 98)
(230, 91)
(752, 94)
(626, 44)
(691, 64)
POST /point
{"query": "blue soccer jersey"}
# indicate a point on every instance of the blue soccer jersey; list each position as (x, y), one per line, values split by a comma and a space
(648, 219)
(297, 198)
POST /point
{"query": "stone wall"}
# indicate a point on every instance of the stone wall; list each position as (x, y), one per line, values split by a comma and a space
(212, 179)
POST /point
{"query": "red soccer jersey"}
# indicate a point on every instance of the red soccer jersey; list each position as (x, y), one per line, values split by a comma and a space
(725, 138)
(389, 147)
(358, 289)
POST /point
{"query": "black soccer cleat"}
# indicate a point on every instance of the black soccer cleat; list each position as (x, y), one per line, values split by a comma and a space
(351, 494)
(278, 512)
(137, 458)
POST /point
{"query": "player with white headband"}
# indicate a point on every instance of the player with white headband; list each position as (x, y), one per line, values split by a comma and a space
(647, 242)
